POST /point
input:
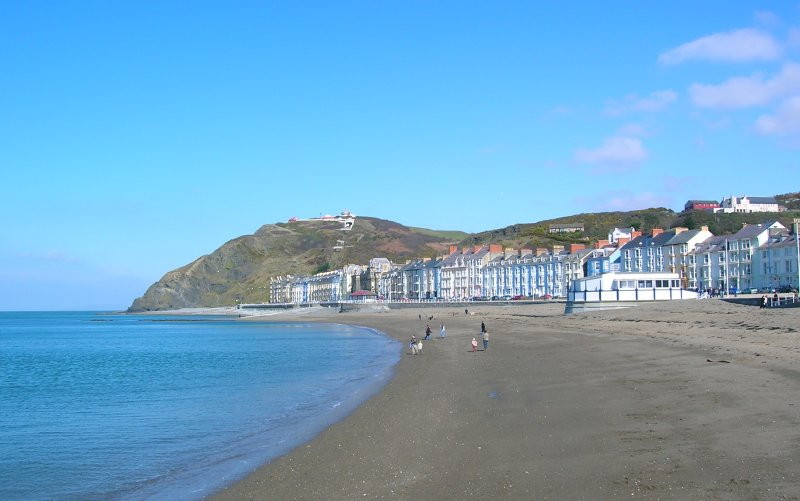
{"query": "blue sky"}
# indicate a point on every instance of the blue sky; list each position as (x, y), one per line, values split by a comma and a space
(138, 136)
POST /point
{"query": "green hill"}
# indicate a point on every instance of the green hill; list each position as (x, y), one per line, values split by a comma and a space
(241, 268)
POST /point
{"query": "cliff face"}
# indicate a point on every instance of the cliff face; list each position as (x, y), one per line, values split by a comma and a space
(240, 269)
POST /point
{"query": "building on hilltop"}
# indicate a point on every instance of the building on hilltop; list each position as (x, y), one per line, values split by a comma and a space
(706, 205)
(746, 204)
(565, 228)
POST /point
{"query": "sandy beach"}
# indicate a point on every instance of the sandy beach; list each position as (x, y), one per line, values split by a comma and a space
(675, 400)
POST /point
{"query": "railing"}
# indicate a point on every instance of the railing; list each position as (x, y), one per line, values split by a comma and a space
(654, 294)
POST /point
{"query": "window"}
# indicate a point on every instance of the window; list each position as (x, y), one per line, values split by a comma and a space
(788, 266)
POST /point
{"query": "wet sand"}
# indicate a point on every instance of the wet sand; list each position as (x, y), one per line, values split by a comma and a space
(677, 400)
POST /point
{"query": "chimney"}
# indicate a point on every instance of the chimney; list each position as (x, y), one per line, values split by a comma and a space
(557, 249)
(465, 250)
(601, 243)
(657, 231)
(541, 251)
(476, 248)
(704, 228)
(453, 249)
(573, 248)
(622, 241)
(680, 229)
(495, 248)
(635, 234)
(525, 252)
(510, 251)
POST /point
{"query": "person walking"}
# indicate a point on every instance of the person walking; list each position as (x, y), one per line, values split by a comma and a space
(485, 340)
(427, 332)
(474, 345)
(442, 333)
(483, 326)
(763, 301)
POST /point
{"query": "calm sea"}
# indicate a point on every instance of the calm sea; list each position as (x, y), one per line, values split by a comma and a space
(97, 406)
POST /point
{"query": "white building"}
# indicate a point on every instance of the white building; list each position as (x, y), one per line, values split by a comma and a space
(748, 204)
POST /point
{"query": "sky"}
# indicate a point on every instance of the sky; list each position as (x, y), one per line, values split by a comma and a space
(136, 136)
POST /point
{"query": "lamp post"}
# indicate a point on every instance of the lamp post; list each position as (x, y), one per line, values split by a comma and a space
(797, 248)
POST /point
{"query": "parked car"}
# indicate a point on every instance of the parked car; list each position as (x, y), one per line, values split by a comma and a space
(786, 288)
(547, 296)
(734, 290)
(753, 291)
(495, 298)
(517, 297)
(506, 298)
(480, 298)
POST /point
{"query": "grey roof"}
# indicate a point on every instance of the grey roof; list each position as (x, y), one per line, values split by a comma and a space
(750, 231)
(762, 200)
(636, 242)
(683, 237)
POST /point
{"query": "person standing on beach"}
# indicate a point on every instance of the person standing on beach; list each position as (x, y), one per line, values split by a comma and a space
(474, 345)
(485, 340)
(483, 327)
(763, 301)
(442, 332)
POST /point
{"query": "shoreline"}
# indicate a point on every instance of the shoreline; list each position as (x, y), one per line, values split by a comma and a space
(680, 399)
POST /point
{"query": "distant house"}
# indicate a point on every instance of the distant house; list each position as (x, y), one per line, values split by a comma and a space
(748, 204)
(617, 233)
(709, 205)
(565, 228)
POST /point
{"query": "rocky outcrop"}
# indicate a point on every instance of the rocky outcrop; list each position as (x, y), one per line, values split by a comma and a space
(239, 271)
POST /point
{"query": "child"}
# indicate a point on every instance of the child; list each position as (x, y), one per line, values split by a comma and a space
(474, 345)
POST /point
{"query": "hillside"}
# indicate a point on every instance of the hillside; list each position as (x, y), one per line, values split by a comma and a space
(596, 227)
(241, 268)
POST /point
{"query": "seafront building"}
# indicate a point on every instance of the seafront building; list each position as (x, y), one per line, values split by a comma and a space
(755, 257)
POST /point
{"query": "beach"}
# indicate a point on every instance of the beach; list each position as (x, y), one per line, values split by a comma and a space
(677, 400)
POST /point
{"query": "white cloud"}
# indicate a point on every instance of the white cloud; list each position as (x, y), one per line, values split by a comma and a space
(793, 39)
(785, 120)
(618, 152)
(767, 18)
(740, 92)
(656, 101)
(633, 129)
(733, 46)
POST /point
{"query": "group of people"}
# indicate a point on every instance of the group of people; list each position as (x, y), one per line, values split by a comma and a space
(765, 300)
(416, 344)
(485, 336)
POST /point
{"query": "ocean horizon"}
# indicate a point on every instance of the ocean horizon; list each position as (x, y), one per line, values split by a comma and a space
(111, 406)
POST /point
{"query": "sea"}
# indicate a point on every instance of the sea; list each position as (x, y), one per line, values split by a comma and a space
(105, 406)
